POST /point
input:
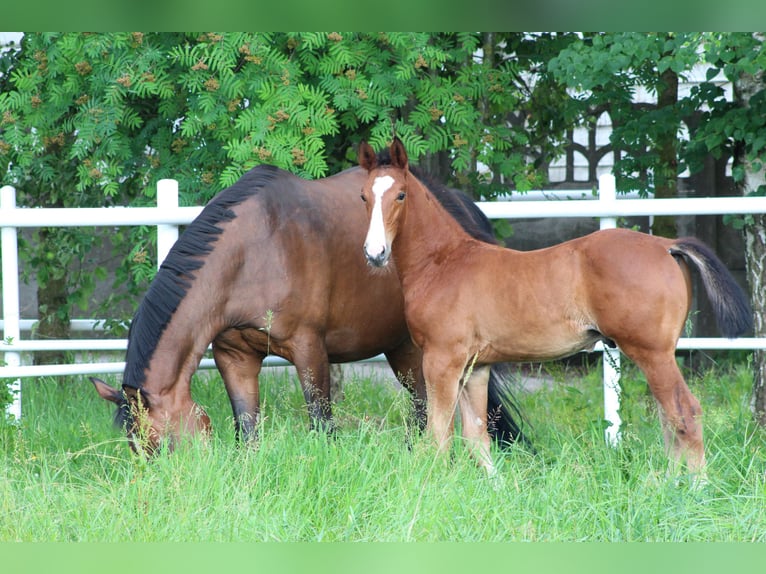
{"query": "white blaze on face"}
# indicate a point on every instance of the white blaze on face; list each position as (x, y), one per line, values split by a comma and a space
(375, 244)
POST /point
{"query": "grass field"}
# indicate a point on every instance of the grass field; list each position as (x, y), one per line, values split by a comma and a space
(67, 475)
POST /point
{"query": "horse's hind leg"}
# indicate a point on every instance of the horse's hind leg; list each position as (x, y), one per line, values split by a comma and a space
(680, 411)
(309, 356)
(240, 366)
(473, 415)
(406, 361)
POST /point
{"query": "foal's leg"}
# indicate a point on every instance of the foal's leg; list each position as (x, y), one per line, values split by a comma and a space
(680, 411)
(473, 415)
(240, 366)
(406, 361)
(442, 375)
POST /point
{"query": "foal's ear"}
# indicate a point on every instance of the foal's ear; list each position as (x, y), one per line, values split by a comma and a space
(367, 158)
(398, 154)
(106, 392)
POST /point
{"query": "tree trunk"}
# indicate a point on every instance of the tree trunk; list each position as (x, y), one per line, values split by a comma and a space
(747, 85)
(53, 306)
(666, 174)
(437, 165)
(755, 252)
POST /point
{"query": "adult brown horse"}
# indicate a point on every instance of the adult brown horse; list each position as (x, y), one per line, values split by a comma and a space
(469, 304)
(271, 265)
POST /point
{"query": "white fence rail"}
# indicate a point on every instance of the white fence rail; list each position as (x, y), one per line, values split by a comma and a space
(168, 215)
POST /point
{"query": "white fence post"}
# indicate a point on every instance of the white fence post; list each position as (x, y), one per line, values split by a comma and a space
(167, 235)
(607, 192)
(11, 315)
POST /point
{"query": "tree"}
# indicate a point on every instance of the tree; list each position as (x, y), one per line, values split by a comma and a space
(94, 119)
(97, 119)
(451, 98)
(738, 128)
(606, 71)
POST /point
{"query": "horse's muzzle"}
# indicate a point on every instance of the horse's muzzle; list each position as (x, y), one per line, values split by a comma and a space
(378, 260)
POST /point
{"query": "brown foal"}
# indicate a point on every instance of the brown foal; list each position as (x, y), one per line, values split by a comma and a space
(470, 304)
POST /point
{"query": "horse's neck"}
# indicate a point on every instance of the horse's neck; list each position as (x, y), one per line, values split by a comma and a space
(428, 234)
(179, 350)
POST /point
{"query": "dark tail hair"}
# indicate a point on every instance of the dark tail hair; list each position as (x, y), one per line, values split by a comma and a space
(505, 421)
(730, 304)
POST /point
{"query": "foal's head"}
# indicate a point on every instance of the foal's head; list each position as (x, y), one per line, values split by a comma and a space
(385, 194)
(148, 424)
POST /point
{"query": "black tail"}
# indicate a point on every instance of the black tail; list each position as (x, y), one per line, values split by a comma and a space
(505, 421)
(730, 304)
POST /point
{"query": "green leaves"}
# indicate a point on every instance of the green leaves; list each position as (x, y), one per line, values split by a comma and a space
(206, 107)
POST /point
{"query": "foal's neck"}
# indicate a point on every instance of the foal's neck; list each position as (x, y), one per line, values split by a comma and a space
(427, 233)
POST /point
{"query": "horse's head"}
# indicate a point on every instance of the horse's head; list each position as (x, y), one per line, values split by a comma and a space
(148, 424)
(384, 194)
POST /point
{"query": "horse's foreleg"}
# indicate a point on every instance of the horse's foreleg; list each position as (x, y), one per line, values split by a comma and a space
(680, 411)
(473, 415)
(240, 367)
(442, 377)
(407, 363)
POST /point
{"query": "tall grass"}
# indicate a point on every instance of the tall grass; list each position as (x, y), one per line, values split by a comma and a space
(67, 475)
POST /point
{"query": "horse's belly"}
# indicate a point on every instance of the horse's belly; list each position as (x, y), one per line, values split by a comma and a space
(355, 344)
(536, 347)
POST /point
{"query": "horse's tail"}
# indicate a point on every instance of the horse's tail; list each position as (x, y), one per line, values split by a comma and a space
(505, 421)
(730, 304)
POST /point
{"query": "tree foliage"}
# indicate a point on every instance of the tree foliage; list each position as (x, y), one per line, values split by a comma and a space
(98, 119)
(732, 127)
(738, 128)
(607, 71)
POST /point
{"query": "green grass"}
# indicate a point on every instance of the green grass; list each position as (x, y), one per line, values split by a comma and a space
(67, 475)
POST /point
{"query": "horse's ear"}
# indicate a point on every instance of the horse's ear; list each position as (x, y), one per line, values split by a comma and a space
(398, 154)
(367, 158)
(106, 392)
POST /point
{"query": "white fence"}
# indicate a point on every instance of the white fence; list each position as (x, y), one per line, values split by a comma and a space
(167, 216)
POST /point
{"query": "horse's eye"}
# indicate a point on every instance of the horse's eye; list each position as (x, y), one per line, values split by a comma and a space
(364, 199)
(401, 196)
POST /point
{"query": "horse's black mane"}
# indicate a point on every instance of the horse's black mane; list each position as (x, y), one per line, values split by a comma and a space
(458, 204)
(176, 273)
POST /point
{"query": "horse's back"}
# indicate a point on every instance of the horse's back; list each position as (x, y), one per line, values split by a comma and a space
(631, 256)
(289, 199)
(289, 212)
